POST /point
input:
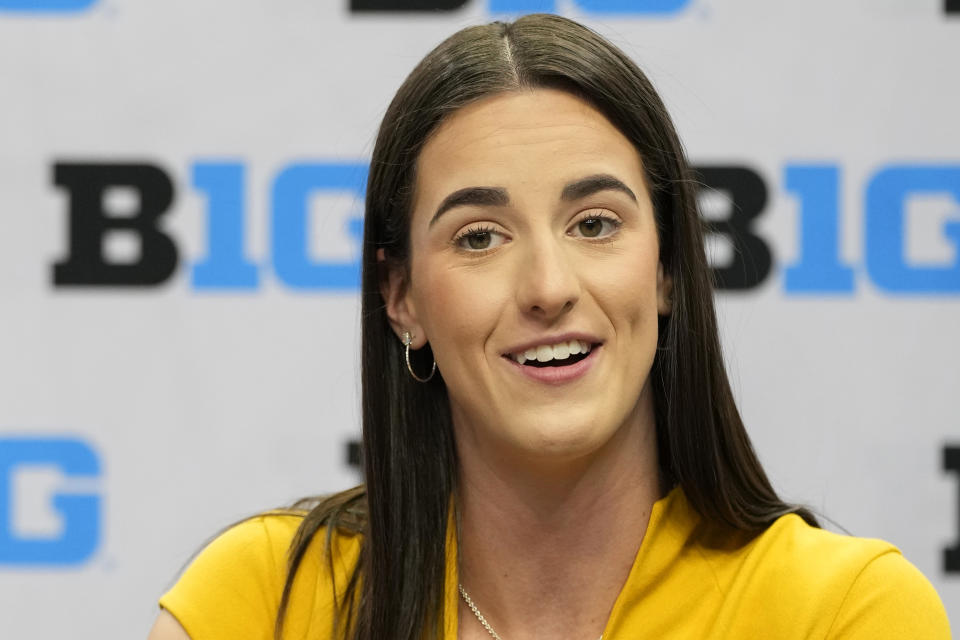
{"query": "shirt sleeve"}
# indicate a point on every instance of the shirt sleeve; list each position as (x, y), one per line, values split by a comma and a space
(890, 600)
(232, 588)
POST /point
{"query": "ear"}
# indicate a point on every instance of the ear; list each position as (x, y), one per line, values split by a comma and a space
(664, 292)
(401, 310)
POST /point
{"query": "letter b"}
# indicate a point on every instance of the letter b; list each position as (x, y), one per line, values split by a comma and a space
(89, 223)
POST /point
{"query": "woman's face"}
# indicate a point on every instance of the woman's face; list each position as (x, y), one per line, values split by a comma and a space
(532, 238)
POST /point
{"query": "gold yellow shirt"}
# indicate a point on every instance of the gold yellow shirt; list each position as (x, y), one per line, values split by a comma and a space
(792, 581)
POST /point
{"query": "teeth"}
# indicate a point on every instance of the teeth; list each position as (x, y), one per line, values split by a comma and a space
(561, 351)
(546, 353)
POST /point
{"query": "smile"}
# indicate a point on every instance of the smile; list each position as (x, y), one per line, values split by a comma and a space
(559, 363)
(552, 355)
(557, 360)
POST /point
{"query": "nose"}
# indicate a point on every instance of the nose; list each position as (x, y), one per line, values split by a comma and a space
(548, 282)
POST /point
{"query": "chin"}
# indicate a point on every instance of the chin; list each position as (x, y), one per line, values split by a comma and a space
(565, 441)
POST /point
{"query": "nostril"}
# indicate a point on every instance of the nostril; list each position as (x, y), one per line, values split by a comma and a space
(553, 309)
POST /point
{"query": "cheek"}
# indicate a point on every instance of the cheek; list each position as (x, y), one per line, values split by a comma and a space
(629, 291)
(457, 309)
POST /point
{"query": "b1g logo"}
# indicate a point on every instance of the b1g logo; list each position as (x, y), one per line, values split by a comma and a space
(819, 269)
(49, 514)
(226, 266)
(52, 6)
(608, 7)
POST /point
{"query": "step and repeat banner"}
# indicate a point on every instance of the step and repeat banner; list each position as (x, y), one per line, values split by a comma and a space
(181, 190)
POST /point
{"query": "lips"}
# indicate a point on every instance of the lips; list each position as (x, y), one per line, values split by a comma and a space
(556, 372)
(556, 359)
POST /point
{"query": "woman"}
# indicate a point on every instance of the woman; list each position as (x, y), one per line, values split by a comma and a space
(551, 446)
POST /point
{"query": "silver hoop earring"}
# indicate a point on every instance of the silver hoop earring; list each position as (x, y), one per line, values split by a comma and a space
(407, 339)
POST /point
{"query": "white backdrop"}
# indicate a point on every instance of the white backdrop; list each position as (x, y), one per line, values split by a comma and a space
(136, 420)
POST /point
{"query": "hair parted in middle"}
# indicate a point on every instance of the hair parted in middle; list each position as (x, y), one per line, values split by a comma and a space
(409, 460)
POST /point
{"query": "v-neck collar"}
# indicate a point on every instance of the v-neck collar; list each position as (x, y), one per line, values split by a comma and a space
(672, 520)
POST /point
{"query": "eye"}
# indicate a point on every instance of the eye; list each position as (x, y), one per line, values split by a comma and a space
(595, 224)
(479, 238)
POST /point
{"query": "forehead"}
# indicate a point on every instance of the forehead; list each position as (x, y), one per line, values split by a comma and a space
(528, 140)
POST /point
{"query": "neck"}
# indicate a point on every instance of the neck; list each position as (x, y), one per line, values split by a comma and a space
(546, 546)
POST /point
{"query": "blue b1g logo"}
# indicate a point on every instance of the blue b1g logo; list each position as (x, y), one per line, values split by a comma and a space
(614, 7)
(78, 511)
(46, 5)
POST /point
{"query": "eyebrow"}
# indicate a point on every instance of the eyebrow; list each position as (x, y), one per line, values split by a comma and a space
(477, 196)
(498, 197)
(592, 184)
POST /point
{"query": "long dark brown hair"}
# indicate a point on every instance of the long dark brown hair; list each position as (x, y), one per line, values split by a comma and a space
(396, 589)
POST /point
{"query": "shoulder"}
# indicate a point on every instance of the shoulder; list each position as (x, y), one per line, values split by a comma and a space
(890, 598)
(814, 556)
(842, 586)
(233, 587)
(236, 580)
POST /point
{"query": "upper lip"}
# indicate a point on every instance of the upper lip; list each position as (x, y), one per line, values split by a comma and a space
(553, 339)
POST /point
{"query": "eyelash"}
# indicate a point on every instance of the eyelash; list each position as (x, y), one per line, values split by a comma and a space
(616, 223)
(470, 231)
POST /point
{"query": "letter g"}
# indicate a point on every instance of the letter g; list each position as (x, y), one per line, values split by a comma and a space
(885, 229)
(80, 513)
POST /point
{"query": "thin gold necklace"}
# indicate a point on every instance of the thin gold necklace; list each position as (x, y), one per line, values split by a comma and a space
(486, 625)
